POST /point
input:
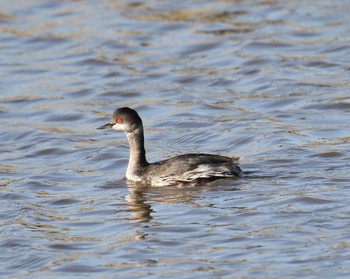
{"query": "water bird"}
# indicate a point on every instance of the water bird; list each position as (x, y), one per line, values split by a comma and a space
(189, 168)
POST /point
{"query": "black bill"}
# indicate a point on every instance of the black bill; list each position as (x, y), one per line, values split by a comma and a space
(108, 125)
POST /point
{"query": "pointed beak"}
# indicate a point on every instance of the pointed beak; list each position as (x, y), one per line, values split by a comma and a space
(108, 125)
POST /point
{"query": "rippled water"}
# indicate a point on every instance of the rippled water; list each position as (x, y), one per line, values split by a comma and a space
(264, 80)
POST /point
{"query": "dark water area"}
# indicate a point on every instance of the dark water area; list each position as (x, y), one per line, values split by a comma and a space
(267, 81)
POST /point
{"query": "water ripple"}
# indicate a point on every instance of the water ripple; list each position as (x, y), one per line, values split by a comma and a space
(262, 81)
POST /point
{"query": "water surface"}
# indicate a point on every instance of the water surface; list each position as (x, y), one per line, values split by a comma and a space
(267, 81)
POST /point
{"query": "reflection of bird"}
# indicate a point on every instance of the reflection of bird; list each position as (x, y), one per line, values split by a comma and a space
(187, 168)
(138, 206)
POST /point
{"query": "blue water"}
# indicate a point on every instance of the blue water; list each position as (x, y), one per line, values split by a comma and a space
(262, 80)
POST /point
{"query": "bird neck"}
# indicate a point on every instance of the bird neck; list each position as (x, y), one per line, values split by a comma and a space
(137, 157)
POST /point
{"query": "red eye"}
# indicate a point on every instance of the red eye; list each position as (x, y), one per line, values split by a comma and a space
(119, 120)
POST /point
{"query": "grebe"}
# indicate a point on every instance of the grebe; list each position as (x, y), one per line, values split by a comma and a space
(182, 169)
